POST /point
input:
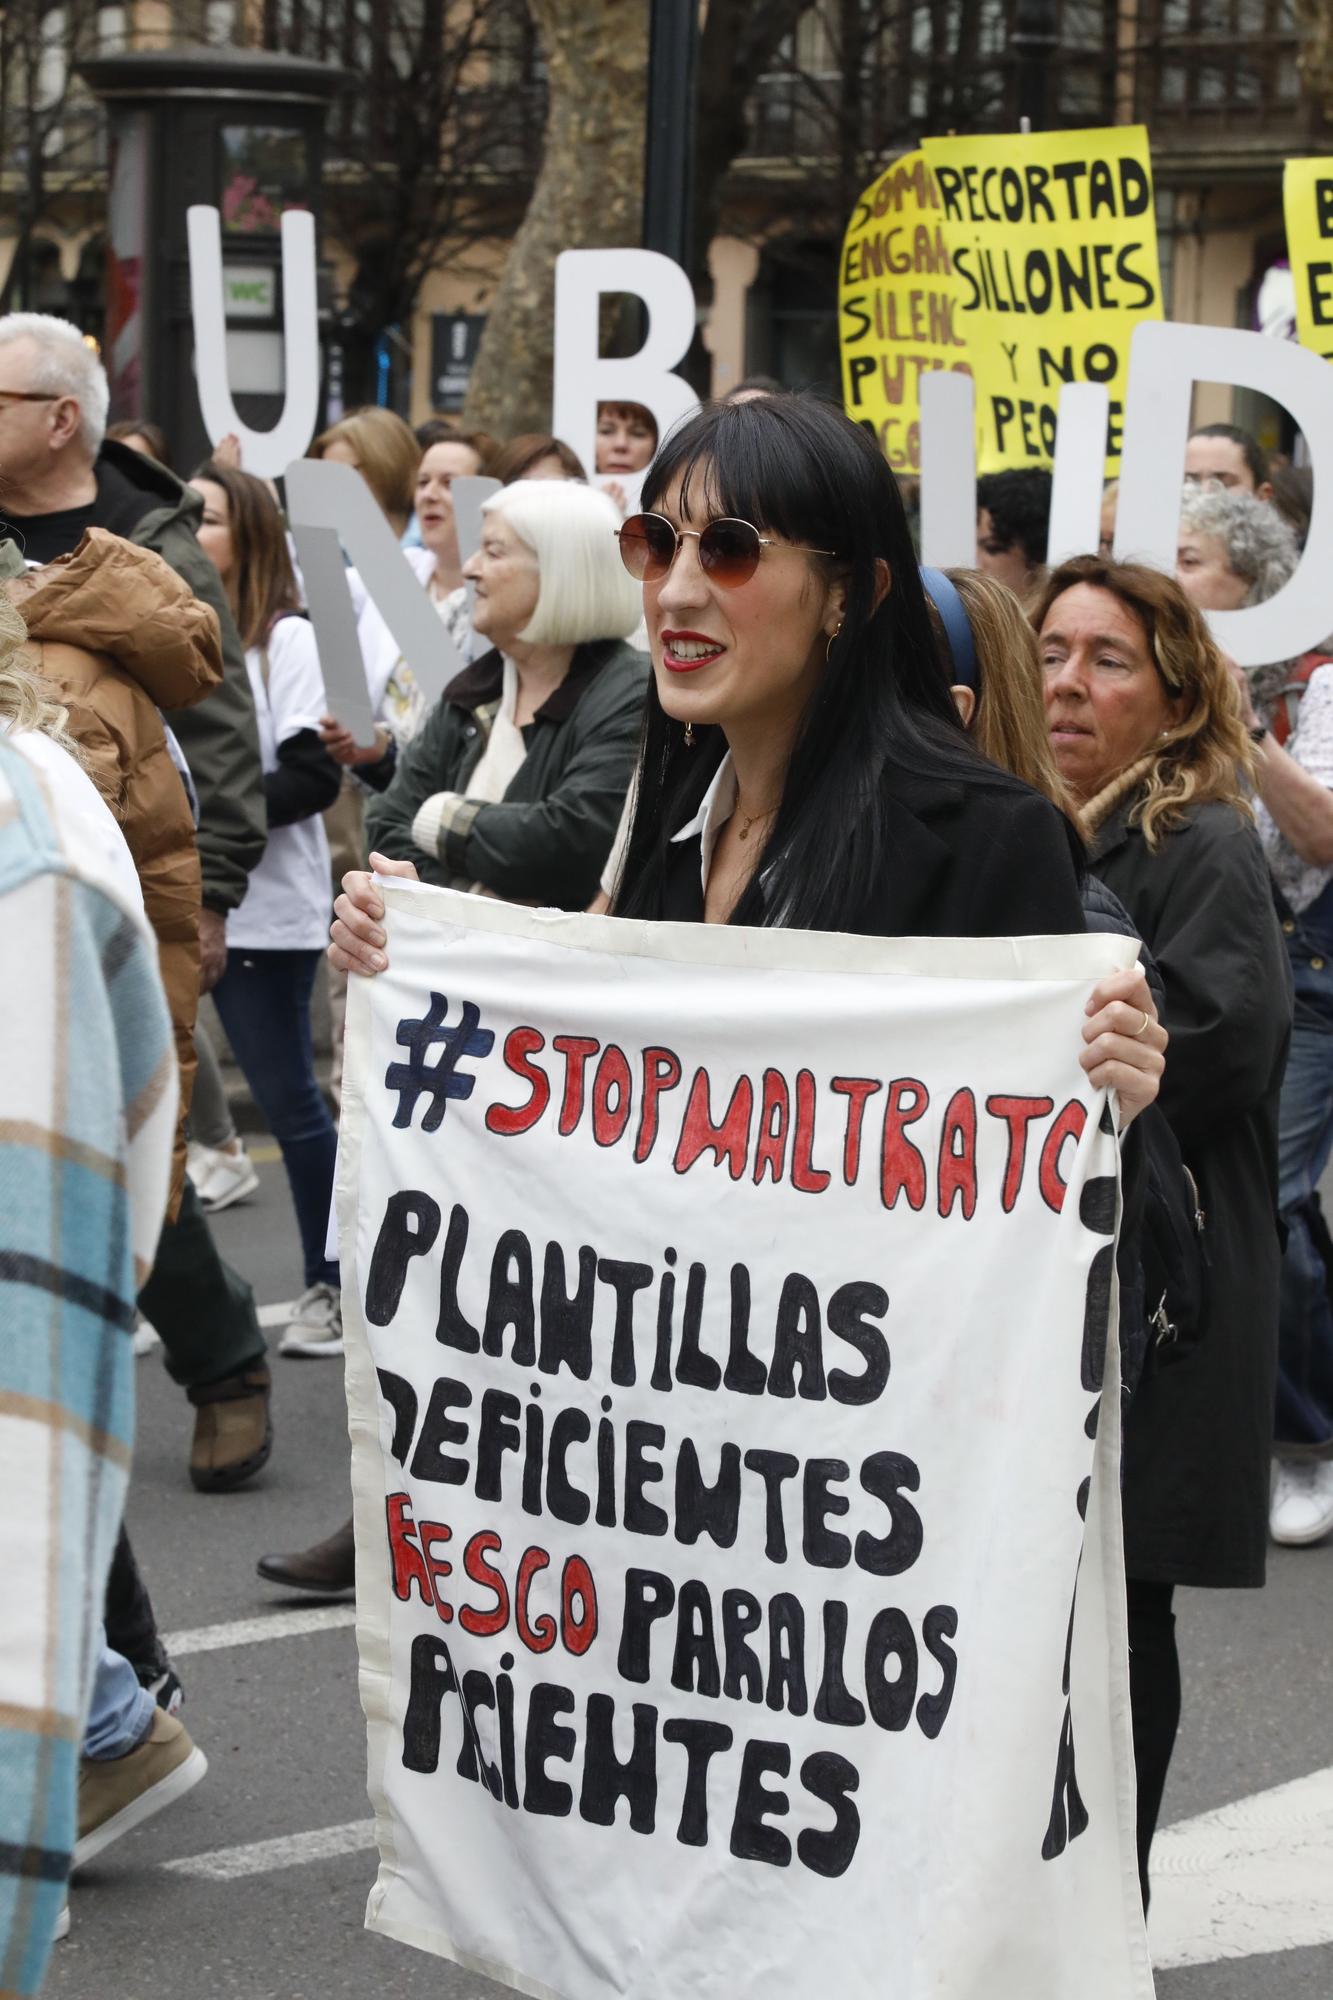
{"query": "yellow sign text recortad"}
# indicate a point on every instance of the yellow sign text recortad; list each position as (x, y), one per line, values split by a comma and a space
(1053, 241)
(898, 308)
(1307, 193)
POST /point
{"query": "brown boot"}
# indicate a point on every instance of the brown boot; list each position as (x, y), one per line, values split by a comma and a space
(328, 1568)
(232, 1432)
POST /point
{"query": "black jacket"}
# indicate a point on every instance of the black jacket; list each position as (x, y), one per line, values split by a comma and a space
(547, 840)
(1198, 1435)
(984, 858)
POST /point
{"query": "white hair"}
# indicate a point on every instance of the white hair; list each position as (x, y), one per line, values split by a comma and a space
(1260, 548)
(65, 366)
(585, 591)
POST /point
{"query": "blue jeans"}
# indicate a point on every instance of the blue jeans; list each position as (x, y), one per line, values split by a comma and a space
(263, 999)
(122, 1712)
(1304, 1411)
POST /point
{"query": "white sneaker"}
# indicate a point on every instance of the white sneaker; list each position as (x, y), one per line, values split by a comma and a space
(227, 1177)
(62, 1921)
(144, 1338)
(1302, 1505)
(316, 1325)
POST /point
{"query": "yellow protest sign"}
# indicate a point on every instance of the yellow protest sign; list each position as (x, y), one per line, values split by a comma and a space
(1307, 197)
(1053, 240)
(898, 307)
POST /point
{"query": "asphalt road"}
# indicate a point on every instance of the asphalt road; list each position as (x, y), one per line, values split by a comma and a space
(255, 1885)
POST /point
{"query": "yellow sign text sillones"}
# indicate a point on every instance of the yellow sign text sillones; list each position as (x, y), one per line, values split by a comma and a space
(1053, 241)
(898, 308)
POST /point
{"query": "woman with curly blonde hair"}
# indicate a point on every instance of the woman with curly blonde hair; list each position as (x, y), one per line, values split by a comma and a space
(1145, 724)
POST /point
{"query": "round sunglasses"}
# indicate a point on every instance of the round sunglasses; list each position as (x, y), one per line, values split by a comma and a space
(729, 551)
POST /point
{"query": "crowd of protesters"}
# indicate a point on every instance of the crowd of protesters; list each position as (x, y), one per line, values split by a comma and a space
(870, 747)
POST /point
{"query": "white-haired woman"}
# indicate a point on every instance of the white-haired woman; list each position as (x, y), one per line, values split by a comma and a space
(1235, 550)
(515, 782)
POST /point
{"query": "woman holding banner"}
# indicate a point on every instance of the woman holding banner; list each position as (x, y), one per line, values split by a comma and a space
(1147, 731)
(797, 717)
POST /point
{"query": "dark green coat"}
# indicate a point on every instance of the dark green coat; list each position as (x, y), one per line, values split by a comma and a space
(548, 839)
(1199, 1432)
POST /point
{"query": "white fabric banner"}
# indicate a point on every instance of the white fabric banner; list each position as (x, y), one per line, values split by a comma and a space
(726, 1319)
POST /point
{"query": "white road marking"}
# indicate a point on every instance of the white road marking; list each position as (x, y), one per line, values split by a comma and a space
(291, 1850)
(1252, 1877)
(276, 1315)
(253, 1631)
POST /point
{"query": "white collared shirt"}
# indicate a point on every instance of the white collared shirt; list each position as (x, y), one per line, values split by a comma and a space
(715, 808)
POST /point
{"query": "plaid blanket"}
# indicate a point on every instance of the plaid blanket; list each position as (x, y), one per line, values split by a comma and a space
(87, 1109)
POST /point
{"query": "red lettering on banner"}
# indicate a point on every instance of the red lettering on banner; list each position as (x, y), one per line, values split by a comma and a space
(1069, 1125)
(521, 1044)
(958, 1155)
(729, 1141)
(902, 1168)
(805, 1176)
(538, 1635)
(770, 1146)
(1018, 1113)
(575, 1049)
(661, 1072)
(608, 1120)
(858, 1090)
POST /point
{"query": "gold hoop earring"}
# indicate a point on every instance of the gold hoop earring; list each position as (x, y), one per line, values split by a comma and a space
(833, 640)
(689, 736)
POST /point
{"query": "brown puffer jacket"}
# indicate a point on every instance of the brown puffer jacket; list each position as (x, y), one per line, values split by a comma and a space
(119, 634)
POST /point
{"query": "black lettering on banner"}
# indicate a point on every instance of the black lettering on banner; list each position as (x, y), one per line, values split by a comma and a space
(473, 1763)
(708, 1510)
(832, 1780)
(625, 1281)
(694, 1668)
(606, 1779)
(941, 1625)
(409, 1229)
(786, 1654)
(834, 1703)
(851, 1312)
(452, 1328)
(821, 1546)
(891, 1699)
(564, 1500)
(566, 1320)
(438, 1428)
(643, 1516)
(648, 1596)
(797, 1342)
(401, 1397)
(773, 1468)
(883, 1475)
(701, 1742)
(548, 1738)
(742, 1614)
(509, 1301)
(752, 1838)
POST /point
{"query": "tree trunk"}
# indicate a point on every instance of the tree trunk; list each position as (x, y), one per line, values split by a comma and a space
(589, 195)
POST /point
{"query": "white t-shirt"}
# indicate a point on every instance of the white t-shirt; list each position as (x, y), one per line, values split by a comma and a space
(87, 827)
(288, 902)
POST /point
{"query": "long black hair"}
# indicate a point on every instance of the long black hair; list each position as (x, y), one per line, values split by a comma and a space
(796, 467)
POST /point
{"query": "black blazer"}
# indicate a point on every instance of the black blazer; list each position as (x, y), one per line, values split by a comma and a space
(987, 857)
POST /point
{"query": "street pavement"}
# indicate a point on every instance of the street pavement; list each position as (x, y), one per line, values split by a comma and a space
(254, 1887)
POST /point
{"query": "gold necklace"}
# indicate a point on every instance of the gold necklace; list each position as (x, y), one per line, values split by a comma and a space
(752, 819)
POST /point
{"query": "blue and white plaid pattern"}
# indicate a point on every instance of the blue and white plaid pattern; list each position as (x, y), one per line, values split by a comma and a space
(87, 1109)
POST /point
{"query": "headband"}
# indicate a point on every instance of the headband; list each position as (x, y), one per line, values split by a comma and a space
(957, 630)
